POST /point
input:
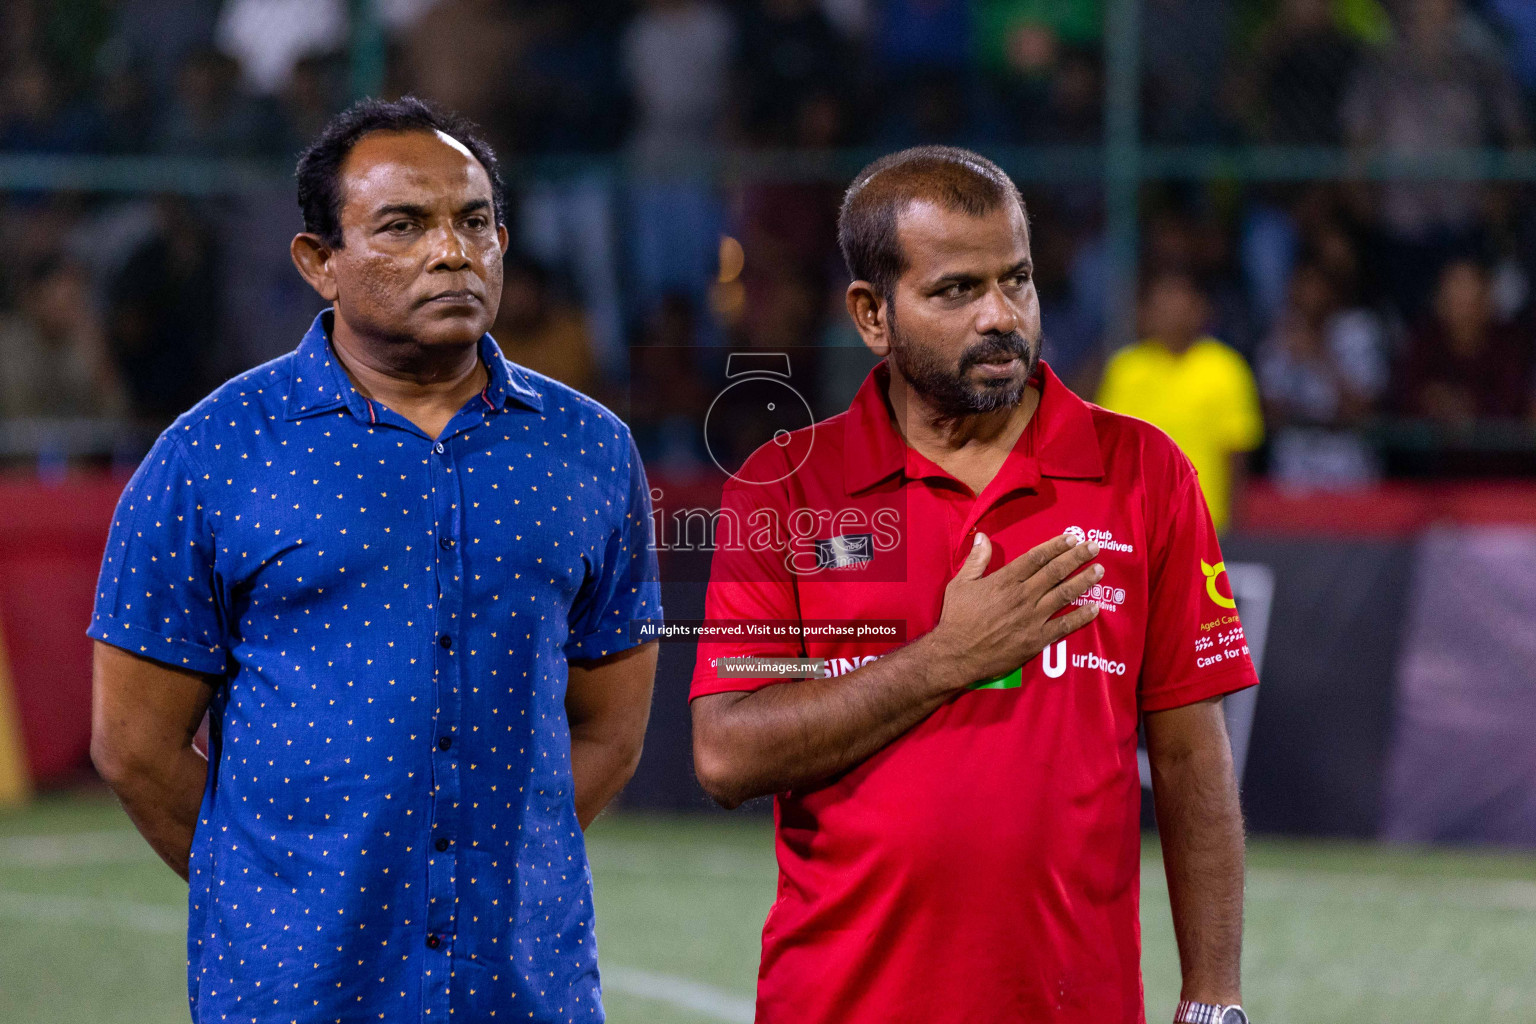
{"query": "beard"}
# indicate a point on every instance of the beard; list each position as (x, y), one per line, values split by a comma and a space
(949, 390)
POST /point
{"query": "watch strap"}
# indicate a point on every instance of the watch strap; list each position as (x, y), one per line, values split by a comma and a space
(1191, 1012)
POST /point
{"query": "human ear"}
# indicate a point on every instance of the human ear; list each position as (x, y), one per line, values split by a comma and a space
(870, 316)
(313, 259)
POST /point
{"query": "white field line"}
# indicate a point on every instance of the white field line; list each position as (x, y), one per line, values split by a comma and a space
(159, 919)
(1295, 886)
(120, 846)
(706, 862)
(69, 849)
(1466, 893)
(155, 918)
(705, 1000)
(623, 858)
(1266, 884)
(626, 858)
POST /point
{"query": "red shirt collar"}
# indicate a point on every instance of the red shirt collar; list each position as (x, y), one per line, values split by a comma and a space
(1060, 440)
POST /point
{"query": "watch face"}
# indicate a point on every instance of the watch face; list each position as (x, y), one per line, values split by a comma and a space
(1234, 1015)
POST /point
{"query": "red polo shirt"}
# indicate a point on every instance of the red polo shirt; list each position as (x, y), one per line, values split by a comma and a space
(983, 867)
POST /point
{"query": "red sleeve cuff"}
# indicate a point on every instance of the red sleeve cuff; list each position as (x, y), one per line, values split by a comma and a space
(1204, 687)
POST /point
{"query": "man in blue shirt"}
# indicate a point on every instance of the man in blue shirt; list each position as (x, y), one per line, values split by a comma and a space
(399, 573)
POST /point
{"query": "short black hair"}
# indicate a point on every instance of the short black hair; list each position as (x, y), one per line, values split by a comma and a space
(319, 170)
(956, 179)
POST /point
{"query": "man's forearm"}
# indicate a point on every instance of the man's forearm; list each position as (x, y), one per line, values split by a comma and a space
(163, 803)
(800, 733)
(600, 768)
(1200, 823)
(607, 704)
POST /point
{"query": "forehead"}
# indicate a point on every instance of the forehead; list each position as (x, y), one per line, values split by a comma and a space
(937, 240)
(420, 168)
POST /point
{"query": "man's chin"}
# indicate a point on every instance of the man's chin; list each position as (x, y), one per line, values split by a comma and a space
(976, 389)
(970, 398)
(449, 328)
(997, 394)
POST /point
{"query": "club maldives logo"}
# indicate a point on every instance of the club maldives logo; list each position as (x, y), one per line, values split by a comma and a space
(1212, 572)
(1104, 538)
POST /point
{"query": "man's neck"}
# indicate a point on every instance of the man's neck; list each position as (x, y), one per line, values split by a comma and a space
(1178, 346)
(426, 386)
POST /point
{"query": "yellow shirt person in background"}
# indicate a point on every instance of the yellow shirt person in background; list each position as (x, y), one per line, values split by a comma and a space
(1197, 390)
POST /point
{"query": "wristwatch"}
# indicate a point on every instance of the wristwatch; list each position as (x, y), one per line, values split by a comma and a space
(1190, 1012)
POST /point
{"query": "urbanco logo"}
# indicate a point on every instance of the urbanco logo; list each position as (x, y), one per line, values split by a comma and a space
(1055, 659)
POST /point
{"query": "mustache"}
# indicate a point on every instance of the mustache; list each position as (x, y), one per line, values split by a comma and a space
(1012, 345)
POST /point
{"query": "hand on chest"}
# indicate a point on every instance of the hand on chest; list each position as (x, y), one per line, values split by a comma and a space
(901, 573)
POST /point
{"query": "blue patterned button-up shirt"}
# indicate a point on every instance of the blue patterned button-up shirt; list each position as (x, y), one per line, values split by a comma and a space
(388, 831)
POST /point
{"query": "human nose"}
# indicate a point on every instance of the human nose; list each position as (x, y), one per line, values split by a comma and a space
(449, 250)
(995, 313)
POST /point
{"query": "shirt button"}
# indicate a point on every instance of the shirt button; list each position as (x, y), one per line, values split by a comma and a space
(445, 542)
(433, 941)
(444, 742)
(445, 641)
(438, 447)
(441, 844)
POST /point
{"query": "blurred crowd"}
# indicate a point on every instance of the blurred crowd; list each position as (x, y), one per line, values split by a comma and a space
(641, 257)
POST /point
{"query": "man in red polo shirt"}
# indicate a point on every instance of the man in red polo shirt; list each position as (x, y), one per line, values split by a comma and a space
(958, 813)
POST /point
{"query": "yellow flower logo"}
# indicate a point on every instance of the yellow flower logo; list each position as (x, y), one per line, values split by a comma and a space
(1211, 572)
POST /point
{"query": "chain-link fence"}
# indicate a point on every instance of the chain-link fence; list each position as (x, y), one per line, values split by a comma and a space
(1332, 189)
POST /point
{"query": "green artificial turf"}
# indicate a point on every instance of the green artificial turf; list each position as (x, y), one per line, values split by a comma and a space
(91, 925)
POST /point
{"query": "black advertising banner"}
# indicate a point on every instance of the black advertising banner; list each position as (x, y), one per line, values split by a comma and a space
(1319, 747)
(1463, 766)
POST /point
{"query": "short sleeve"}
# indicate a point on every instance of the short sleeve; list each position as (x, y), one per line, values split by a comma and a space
(1195, 645)
(749, 582)
(158, 594)
(626, 586)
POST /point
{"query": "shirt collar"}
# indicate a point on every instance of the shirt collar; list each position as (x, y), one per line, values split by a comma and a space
(320, 384)
(509, 382)
(1066, 445)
